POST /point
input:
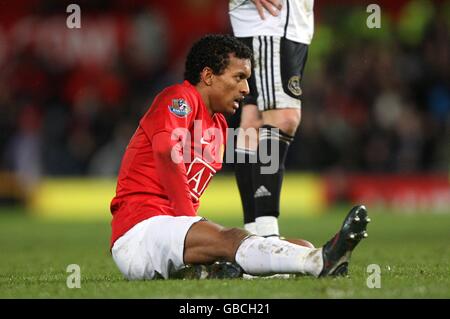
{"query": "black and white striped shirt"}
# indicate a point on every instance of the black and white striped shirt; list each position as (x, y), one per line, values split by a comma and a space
(295, 21)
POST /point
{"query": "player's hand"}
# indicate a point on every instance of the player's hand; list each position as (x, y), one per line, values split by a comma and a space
(273, 6)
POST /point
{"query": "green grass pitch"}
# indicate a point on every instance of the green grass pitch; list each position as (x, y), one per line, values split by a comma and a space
(413, 252)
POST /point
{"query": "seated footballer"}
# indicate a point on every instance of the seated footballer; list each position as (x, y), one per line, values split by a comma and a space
(175, 151)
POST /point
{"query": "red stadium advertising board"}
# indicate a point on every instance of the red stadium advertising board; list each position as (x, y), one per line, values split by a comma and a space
(410, 193)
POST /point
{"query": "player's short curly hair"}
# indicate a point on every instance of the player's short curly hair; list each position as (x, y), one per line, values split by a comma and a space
(213, 51)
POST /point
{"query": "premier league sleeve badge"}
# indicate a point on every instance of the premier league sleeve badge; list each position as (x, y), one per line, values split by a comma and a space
(180, 108)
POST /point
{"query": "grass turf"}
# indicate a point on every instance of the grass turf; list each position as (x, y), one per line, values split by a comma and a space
(413, 252)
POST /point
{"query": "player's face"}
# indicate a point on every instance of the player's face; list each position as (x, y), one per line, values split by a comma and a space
(230, 87)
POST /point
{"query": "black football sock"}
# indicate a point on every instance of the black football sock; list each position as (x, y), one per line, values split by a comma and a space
(273, 144)
(243, 168)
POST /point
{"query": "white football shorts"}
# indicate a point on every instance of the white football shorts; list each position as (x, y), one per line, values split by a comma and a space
(277, 72)
(153, 248)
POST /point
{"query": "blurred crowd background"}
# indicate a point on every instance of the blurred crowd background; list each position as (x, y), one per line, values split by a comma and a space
(375, 100)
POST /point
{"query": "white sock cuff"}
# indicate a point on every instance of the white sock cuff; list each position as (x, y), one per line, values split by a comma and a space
(267, 226)
(250, 227)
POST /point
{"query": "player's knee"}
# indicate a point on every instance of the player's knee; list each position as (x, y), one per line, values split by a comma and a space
(250, 117)
(251, 123)
(289, 124)
(248, 134)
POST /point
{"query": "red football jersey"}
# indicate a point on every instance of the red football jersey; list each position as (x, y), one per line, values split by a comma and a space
(145, 187)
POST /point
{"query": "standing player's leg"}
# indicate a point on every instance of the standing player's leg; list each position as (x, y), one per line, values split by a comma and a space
(281, 69)
(246, 147)
(245, 155)
(279, 127)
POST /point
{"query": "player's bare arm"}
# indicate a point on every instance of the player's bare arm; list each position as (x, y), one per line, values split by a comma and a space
(272, 6)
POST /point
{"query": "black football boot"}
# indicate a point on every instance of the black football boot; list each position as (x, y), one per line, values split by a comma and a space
(337, 251)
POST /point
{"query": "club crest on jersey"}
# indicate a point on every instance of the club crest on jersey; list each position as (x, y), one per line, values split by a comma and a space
(180, 108)
(294, 85)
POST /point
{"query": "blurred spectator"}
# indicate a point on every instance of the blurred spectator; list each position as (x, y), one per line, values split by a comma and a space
(23, 152)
